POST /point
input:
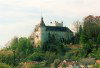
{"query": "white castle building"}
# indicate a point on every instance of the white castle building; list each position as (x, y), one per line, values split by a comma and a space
(41, 32)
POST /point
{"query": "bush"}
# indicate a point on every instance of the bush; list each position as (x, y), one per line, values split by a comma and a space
(3, 65)
(56, 63)
(97, 66)
(6, 57)
(36, 56)
(50, 57)
(34, 66)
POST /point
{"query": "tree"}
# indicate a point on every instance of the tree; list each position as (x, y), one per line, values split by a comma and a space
(12, 45)
(78, 29)
(87, 49)
(24, 47)
(36, 56)
(76, 26)
(91, 27)
(83, 38)
(98, 39)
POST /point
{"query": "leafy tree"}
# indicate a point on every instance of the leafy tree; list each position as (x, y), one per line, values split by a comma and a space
(24, 47)
(76, 26)
(96, 54)
(14, 43)
(87, 49)
(91, 27)
(98, 39)
(80, 30)
(83, 39)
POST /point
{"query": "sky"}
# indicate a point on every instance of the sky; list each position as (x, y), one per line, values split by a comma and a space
(19, 17)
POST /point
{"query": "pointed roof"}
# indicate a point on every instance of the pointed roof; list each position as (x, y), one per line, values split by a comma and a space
(42, 22)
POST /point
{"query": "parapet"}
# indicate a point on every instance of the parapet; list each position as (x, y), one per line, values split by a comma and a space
(56, 24)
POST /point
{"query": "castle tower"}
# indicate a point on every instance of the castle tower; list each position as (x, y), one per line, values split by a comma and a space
(42, 31)
(42, 22)
(39, 34)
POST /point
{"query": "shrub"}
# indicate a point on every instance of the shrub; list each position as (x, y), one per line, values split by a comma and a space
(36, 56)
(3, 65)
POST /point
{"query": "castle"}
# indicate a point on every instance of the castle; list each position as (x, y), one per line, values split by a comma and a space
(41, 32)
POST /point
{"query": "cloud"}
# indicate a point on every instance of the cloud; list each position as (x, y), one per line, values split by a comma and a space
(18, 17)
(8, 31)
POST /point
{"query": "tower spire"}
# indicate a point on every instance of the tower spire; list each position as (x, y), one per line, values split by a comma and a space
(41, 13)
(42, 22)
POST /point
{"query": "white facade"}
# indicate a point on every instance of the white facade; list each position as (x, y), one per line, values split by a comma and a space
(42, 32)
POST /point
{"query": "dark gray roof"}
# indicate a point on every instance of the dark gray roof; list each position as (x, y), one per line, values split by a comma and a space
(57, 28)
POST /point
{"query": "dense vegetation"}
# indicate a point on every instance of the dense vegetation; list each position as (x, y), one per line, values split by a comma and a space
(85, 43)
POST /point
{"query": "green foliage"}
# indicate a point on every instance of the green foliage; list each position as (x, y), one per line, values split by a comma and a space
(36, 56)
(96, 66)
(87, 49)
(53, 45)
(3, 65)
(76, 38)
(91, 27)
(89, 37)
(68, 55)
(50, 57)
(80, 30)
(56, 63)
(24, 47)
(6, 57)
(96, 54)
(64, 65)
(53, 51)
(14, 44)
(35, 65)
(58, 48)
(98, 39)
(87, 61)
(83, 39)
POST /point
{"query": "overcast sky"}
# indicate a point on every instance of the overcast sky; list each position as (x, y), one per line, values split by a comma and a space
(18, 17)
